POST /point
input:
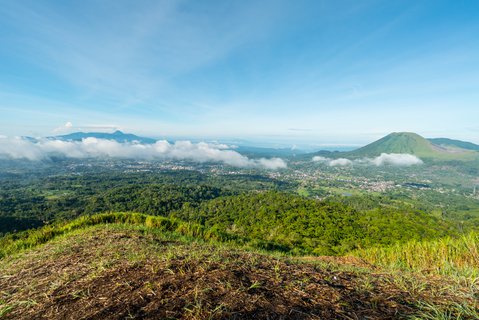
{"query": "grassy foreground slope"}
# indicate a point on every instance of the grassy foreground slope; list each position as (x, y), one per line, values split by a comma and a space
(117, 266)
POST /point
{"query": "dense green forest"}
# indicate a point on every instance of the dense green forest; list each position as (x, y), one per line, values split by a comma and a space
(39, 199)
(298, 224)
(312, 226)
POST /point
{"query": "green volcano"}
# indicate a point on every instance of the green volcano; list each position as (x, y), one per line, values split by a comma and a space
(412, 143)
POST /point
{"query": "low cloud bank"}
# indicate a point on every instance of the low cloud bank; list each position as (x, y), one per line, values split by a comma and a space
(341, 162)
(20, 148)
(394, 159)
(319, 159)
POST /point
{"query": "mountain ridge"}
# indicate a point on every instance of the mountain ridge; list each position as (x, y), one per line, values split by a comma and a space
(118, 136)
(454, 143)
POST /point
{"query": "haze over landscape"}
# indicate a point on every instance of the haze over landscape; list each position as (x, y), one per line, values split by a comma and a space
(273, 159)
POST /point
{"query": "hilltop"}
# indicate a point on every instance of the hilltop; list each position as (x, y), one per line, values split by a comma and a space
(397, 142)
(134, 269)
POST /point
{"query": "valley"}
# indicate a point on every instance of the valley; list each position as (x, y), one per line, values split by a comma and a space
(369, 212)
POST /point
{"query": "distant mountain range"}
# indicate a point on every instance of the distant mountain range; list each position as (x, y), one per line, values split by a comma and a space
(128, 137)
(396, 142)
(117, 136)
(412, 143)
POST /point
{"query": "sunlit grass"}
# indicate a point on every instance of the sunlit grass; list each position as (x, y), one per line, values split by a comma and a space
(28, 239)
(458, 257)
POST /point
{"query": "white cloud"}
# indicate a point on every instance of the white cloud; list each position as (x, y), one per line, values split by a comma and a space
(65, 128)
(395, 159)
(19, 148)
(341, 162)
(273, 163)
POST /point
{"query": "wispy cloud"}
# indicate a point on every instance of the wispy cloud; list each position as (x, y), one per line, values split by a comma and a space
(135, 62)
(241, 67)
(69, 127)
(98, 128)
(20, 148)
(300, 129)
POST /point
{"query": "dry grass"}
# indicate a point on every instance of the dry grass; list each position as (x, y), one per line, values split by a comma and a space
(119, 271)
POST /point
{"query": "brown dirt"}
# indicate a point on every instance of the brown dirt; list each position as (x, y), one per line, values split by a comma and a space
(346, 260)
(119, 274)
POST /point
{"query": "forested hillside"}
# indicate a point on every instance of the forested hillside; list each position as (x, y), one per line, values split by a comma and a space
(311, 226)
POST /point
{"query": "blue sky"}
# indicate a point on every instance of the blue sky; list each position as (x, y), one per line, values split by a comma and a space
(319, 72)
